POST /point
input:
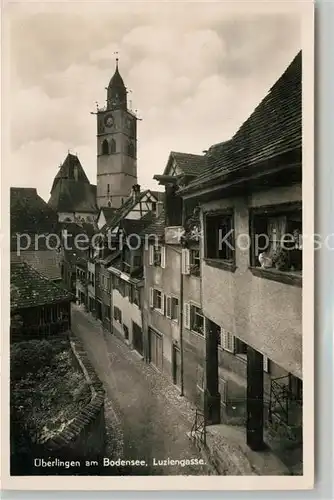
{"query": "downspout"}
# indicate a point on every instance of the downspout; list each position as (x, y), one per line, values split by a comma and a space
(181, 324)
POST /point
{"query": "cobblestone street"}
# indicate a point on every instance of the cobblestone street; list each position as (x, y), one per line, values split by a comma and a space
(153, 417)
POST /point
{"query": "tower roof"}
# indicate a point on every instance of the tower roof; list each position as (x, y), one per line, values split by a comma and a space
(66, 170)
(116, 80)
(71, 190)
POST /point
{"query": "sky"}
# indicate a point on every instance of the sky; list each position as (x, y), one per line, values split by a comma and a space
(195, 72)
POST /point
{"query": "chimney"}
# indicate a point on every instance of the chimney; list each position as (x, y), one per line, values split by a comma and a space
(136, 192)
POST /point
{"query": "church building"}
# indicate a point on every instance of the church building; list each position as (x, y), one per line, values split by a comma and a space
(72, 196)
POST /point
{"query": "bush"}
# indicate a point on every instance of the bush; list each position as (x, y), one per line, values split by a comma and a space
(30, 356)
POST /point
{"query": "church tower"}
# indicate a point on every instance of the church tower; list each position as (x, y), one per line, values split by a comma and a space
(116, 146)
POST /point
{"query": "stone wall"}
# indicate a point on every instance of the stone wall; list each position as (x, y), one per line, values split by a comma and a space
(83, 439)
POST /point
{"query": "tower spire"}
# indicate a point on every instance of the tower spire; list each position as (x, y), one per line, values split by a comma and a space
(116, 53)
(116, 90)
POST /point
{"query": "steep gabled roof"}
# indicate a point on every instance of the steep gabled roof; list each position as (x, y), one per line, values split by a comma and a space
(71, 169)
(72, 196)
(190, 164)
(124, 210)
(47, 262)
(29, 213)
(71, 190)
(108, 213)
(274, 128)
(29, 288)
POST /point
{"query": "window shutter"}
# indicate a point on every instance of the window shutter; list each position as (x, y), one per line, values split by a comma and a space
(163, 257)
(151, 255)
(265, 364)
(223, 336)
(151, 297)
(227, 340)
(168, 306)
(186, 313)
(162, 303)
(185, 261)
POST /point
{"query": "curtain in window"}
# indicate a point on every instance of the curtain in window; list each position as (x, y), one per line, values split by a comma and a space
(276, 230)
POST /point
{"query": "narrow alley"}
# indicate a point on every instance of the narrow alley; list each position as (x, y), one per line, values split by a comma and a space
(153, 416)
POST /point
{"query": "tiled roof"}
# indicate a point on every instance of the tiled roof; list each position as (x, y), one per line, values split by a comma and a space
(47, 262)
(189, 163)
(78, 253)
(71, 169)
(157, 227)
(123, 210)
(71, 190)
(29, 288)
(69, 195)
(108, 213)
(274, 128)
(137, 226)
(29, 213)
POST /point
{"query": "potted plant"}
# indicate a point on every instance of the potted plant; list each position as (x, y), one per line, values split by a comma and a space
(280, 259)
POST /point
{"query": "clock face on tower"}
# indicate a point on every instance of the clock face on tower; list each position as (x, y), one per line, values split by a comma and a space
(108, 120)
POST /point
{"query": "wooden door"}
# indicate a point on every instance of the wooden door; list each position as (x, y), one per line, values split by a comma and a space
(156, 350)
(137, 338)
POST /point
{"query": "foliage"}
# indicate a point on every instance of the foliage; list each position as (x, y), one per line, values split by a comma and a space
(47, 390)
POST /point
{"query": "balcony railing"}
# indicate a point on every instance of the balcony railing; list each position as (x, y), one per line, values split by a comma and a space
(198, 430)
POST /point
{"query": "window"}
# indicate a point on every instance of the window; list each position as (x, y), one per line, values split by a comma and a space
(107, 312)
(240, 348)
(157, 300)
(112, 146)
(126, 332)
(121, 288)
(117, 314)
(137, 261)
(157, 256)
(105, 147)
(195, 262)
(276, 234)
(108, 285)
(172, 308)
(131, 149)
(154, 206)
(108, 188)
(135, 296)
(127, 290)
(219, 237)
(196, 320)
